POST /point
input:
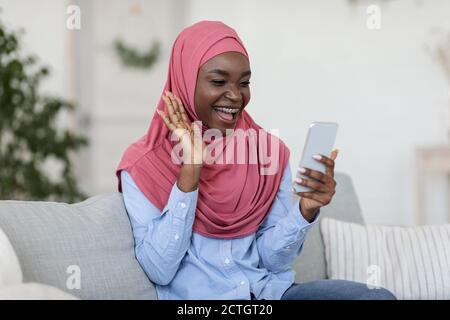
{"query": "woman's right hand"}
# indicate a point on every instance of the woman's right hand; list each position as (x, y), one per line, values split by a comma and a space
(190, 136)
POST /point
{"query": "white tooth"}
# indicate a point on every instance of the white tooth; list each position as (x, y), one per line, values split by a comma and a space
(227, 110)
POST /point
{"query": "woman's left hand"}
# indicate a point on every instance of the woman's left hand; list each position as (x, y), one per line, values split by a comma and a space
(323, 185)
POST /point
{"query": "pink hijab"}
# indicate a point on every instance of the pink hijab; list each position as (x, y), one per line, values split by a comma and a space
(233, 199)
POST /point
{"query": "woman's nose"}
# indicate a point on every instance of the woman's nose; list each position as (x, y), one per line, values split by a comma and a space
(233, 94)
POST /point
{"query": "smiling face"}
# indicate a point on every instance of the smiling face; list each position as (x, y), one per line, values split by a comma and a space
(222, 90)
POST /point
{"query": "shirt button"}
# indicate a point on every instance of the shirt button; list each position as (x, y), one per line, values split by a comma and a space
(177, 237)
(287, 247)
(242, 282)
(227, 261)
(182, 205)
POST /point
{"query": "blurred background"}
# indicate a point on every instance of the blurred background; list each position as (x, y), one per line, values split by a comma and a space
(381, 69)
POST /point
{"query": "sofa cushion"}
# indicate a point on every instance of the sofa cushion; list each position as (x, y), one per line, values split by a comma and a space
(10, 272)
(311, 263)
(411, 262)
(85, 249)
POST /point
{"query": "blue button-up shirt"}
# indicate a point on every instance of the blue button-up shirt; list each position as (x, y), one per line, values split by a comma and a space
(186, 265)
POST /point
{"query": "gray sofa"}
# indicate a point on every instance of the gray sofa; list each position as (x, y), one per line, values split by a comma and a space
(87, 249)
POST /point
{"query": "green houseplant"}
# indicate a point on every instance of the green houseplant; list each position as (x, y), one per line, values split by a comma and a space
(28, 133)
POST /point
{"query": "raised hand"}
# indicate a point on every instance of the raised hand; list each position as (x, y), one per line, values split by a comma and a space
(189, 134)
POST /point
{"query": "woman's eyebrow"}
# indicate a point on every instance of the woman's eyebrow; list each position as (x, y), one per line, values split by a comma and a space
(225, 73)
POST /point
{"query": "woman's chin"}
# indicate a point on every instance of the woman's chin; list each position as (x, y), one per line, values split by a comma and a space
(221, 125)
(225, 130)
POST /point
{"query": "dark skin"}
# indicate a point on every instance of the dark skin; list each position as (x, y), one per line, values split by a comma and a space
(323, 185)
(224, 81)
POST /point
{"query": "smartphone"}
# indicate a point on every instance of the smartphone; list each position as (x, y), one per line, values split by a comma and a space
(320, 140)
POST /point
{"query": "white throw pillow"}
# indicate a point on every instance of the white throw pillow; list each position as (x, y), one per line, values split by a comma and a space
(411, 262)
(10, 271)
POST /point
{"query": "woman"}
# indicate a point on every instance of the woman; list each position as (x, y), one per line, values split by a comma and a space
(215, 230)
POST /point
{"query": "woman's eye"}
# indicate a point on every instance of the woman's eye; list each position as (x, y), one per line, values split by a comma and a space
(218, 82)
(245, 83)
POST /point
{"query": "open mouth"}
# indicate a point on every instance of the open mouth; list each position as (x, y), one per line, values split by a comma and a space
(227, 114)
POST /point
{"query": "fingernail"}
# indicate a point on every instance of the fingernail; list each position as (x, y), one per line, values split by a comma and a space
(298, 180)
(317, 157)
(301, 170)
